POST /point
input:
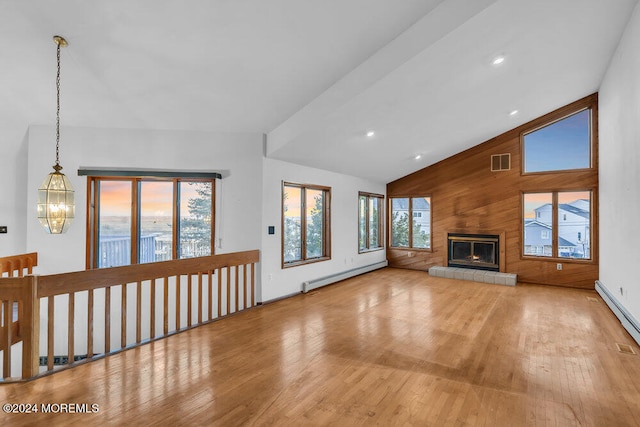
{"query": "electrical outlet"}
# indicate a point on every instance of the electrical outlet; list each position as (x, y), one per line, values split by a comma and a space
(559, 266)
(410, 254)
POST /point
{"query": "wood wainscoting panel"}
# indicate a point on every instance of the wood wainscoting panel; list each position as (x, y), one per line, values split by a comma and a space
(467, 197)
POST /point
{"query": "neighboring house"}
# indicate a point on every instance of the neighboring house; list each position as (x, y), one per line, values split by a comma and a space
(421, 212)
(537, 240)
(573, 230)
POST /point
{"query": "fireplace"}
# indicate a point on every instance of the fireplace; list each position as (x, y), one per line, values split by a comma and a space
(479, 251)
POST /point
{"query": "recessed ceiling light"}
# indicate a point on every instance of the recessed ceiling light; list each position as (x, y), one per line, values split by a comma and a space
(418, 157)
(513, 113)
(370, 133)
(498, 60)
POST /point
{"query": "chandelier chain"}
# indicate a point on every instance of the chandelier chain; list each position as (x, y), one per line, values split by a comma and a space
(58, 109)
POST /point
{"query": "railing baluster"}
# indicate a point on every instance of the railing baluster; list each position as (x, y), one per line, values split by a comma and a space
(90, 320)
(228, 290)
(244, 282)
(209, 277)
(200, 298)
(71, 328)
(237, 295)
(189, 300)
(165, 317)
(253, 284)
(123, 317)
(107, 319)
(7, 307)
(30, 265)
(50, 314)
(138, 311)
(177, 303)
(152, 309)
(219, 272)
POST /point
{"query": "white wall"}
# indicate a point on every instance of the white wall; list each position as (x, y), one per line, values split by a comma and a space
(619, 111)
(13, 194)
(237, 155)
(278, 282)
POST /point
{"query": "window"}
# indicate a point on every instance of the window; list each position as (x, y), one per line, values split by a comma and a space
(564, 221)
(135, 220)
(562, 145)
(409, 230)
(305, 224)
(370, 234)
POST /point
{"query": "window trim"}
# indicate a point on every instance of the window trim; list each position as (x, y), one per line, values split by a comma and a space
(381, 236)
(558, 116)
(326, 225)
(147, 173)
(93, 206)
(555, 223)
(410, 214)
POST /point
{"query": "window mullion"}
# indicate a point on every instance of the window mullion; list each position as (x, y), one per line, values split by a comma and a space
(175, 222)
(326, 223)
(135, 219)
(554, 225)
(95, 222)
(381, 216)
(212, 218)
(367, 223)
(303, 223)
(410, 204)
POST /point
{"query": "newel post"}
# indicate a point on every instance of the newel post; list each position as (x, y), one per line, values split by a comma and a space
(30, 330)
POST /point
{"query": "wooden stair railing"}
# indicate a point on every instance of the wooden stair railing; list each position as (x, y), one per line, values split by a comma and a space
(112, 309)
(10, 312)
(18, 265)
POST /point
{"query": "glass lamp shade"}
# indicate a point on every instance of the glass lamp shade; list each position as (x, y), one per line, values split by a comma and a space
(56, 206)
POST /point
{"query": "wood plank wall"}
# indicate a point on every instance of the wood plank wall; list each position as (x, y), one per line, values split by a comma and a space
(468, 198)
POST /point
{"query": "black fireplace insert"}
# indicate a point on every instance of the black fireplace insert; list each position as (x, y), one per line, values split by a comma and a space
(479, 251)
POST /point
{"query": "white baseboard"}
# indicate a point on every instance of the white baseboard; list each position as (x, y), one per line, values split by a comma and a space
(628, 321)
(327, 280)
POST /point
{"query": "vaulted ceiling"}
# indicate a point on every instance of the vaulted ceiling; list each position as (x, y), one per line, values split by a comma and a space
(315, 76)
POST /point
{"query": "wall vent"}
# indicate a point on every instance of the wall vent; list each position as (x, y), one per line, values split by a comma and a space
(500, 162)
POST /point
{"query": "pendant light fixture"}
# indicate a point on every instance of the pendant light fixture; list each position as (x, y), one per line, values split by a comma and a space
(56, 207)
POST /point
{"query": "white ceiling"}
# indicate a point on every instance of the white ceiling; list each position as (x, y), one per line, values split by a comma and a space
(313, 75)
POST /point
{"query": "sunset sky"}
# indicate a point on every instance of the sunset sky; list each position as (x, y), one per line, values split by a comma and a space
(535, 200)
(293, 200)
(156, 198)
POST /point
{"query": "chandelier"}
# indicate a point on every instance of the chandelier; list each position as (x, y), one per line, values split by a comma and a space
(56, 207)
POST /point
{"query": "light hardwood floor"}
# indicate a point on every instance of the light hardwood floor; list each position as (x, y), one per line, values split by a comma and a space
(393, 347)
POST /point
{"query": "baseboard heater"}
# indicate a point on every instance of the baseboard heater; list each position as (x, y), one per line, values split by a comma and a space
(628, 321)
(327, 280)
